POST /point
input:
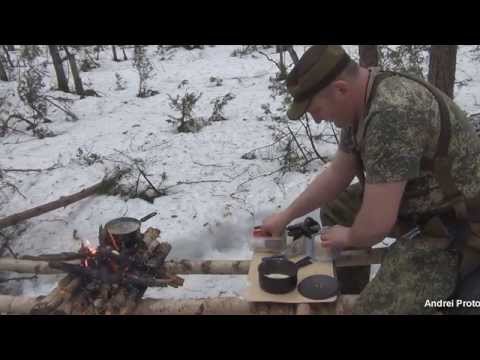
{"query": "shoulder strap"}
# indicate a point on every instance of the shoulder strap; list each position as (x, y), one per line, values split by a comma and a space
(378, 76)
(441, 164)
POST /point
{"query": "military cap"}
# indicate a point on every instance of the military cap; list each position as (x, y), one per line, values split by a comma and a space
(317, 68)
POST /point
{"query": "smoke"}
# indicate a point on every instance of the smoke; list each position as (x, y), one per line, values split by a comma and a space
(221, 236)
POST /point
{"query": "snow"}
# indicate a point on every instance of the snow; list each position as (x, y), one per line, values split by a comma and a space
(207, 220)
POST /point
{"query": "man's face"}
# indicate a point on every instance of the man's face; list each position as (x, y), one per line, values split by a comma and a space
(332, 104)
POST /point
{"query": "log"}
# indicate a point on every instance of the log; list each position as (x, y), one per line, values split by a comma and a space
(80, 303)
(29, 266)
(67, 256)
(64, 291)
(217, 267)
(195, 267)
(150, 236)
(117, 301)
(63, 201)
(53, 298)
(132, 299)
(115, 278)
(215, 306)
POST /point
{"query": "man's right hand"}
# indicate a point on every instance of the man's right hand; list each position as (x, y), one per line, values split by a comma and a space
(275, 224)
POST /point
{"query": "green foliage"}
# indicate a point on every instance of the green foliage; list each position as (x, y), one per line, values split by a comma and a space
(184, 105)
(145, 70)
(218, 105)
(405, 58)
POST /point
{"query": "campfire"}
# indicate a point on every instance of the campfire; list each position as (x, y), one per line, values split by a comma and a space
(111, 278)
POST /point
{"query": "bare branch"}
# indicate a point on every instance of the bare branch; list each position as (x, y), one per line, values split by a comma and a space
(149, 182)
(32, 170)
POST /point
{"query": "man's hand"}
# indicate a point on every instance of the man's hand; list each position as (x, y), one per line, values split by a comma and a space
(336, 237)
(275, 224)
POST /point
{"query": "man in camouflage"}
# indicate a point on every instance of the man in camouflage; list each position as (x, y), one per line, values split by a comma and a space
(389, 126)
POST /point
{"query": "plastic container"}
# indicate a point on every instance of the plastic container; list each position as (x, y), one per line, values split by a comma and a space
(324, 254)
(261, 241)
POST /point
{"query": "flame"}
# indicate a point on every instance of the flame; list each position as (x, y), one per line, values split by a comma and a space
(90, 252)
(92, 249)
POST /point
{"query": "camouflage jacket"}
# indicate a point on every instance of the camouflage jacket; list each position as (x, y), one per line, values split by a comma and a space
(402, 127)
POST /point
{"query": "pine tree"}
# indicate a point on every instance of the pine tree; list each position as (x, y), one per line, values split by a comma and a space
(368, 55)
(73, 67)
(443, 62)
(57, 64)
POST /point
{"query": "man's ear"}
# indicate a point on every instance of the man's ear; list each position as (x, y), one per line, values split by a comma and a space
(341, 87)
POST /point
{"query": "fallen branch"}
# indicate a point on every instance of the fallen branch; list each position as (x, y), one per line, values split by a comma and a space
(19, 278)
(63, 201)
(213, 165)
(31, 170)
(196, 267)
(22, 170)
(259, 176)
(194, 182)
(148, 181)
(215, 306)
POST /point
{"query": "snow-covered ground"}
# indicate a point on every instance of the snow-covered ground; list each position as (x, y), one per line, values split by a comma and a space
(206, 220)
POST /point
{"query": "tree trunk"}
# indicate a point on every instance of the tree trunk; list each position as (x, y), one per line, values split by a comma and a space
(443, 62)
(76, 75)
(57, 64)
(124, 55)
(11, 47)
(368, 55)
(5, 49)
(292, 53)
(3, 73)
(114, 50)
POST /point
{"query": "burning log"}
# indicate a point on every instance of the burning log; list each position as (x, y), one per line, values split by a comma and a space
(110, 278)
(217, 306)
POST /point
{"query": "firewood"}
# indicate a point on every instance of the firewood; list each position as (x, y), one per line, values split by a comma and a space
(119, 300)
(102, 236)
(53, 299)
(150, 236)
(133, 296)
(79, 303)
(64, 290)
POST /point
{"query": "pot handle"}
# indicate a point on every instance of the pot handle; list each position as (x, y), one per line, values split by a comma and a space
(304, 262)
(149, 216)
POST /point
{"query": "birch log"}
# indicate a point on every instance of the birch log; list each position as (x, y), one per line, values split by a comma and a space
(215, 306)
(196, 267)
